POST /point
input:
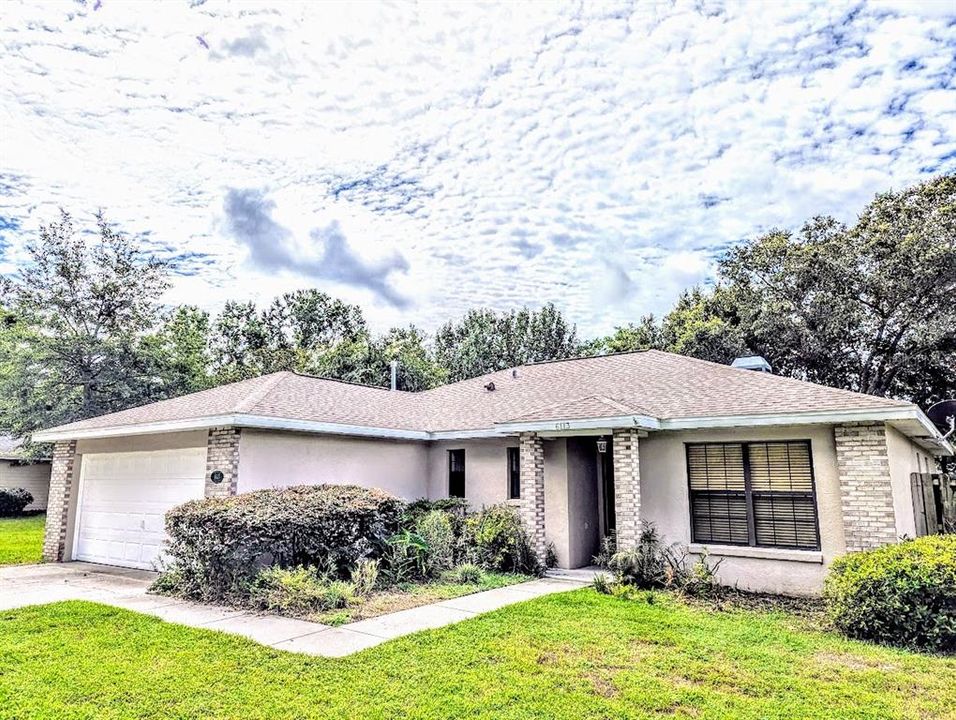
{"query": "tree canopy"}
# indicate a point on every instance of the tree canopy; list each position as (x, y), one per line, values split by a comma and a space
(868, 307)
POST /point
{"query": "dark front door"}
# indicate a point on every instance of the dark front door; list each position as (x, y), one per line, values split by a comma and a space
(607, 488)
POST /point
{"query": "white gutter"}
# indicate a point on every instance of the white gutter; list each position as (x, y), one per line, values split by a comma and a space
(910, 414)
(235, 420)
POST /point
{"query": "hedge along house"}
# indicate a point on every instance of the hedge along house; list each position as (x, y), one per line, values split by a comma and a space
(17, 470)
(775, 475)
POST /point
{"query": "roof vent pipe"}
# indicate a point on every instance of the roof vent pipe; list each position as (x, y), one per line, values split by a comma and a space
(394, 366)
(752, 362)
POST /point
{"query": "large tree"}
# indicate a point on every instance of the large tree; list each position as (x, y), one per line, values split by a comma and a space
(367, 359)
(76, 318)
(290, 334)
(870, 307)
(484, 341)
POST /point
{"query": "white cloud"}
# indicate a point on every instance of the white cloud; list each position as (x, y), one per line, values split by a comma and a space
(455, 155)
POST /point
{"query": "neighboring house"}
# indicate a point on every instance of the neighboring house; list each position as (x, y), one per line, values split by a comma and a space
(775, 475)
(16, 471)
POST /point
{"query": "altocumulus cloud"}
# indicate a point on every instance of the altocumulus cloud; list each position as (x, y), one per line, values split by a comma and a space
(248, 218)
(513, 153)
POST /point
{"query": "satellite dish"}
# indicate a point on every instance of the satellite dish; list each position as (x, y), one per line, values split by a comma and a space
(942, 414)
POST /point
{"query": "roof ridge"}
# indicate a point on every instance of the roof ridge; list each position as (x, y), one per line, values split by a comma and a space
(253, 398)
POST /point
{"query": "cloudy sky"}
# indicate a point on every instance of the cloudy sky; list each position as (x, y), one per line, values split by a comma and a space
(420, 159)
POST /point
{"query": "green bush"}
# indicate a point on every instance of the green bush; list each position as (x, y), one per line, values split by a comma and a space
(406, 558)
(298, 591)
(218, 546)
(495, 538)
(435, 528)
(701, 580)
(417, 509)
(13, 500)
(903, 594)
(466, 574)
(650, 563)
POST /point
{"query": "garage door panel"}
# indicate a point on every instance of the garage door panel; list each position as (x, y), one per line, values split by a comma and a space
(124, 498)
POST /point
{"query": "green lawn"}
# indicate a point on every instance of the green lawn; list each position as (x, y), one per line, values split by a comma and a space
(573, 655)
(21, 539)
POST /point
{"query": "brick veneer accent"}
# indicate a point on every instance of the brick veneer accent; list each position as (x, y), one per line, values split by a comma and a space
(531, 508)
(865, 491)
(222, 453)
(627, 487)
(62, 483)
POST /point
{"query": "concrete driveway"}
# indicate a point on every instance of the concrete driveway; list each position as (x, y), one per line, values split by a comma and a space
(23, 585)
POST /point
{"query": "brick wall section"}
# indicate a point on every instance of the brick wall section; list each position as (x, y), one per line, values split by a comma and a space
(627, 487)
(62, 487)
(865, 491)
(222, 453)
(531, 506)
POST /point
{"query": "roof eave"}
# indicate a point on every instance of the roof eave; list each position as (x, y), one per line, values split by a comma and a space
(245, 420)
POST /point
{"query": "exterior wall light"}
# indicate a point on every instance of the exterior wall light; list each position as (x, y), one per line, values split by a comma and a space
(602, 445)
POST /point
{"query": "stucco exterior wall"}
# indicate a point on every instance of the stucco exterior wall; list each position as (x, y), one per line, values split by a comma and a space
(33, 478)
(570, 488)
(280, 459)
(665, 502)
(905, 457)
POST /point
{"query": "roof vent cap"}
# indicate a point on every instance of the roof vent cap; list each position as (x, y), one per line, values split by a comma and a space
(752, 362)
(490, 387)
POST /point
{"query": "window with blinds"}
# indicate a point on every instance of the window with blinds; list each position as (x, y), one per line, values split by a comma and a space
(755, 493)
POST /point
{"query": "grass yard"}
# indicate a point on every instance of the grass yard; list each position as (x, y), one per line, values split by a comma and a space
(573, 655)
(21, 539)
(411, 595)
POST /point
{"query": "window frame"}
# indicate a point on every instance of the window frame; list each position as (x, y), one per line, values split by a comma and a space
(512, 495)
(749, 493)
(464, 468)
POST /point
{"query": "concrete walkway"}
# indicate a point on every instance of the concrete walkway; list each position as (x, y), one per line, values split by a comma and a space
(40, 584)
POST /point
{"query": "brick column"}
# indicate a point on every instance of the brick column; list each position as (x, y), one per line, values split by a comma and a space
(222, 453)
(531, 508)
(62, 485)
(865, 491)
(627, 487)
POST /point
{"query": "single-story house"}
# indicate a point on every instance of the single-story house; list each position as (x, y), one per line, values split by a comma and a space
(774, 475)
(19, 471)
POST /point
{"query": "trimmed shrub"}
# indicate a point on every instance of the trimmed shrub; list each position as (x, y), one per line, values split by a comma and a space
(903, 594)
(219, 545)
(436, 529)
(496, 539)
(14, 500)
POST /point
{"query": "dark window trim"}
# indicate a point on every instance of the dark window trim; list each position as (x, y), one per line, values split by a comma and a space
(464, 471)
(512, 487)
(749, 493)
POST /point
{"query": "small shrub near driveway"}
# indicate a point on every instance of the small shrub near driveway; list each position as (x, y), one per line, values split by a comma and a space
(903, 594)
(13, 501)
(218, 546)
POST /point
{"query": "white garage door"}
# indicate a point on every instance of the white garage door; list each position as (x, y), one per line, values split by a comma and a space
(123, 498)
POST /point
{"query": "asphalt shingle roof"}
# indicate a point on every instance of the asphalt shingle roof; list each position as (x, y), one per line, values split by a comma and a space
(653, 383)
